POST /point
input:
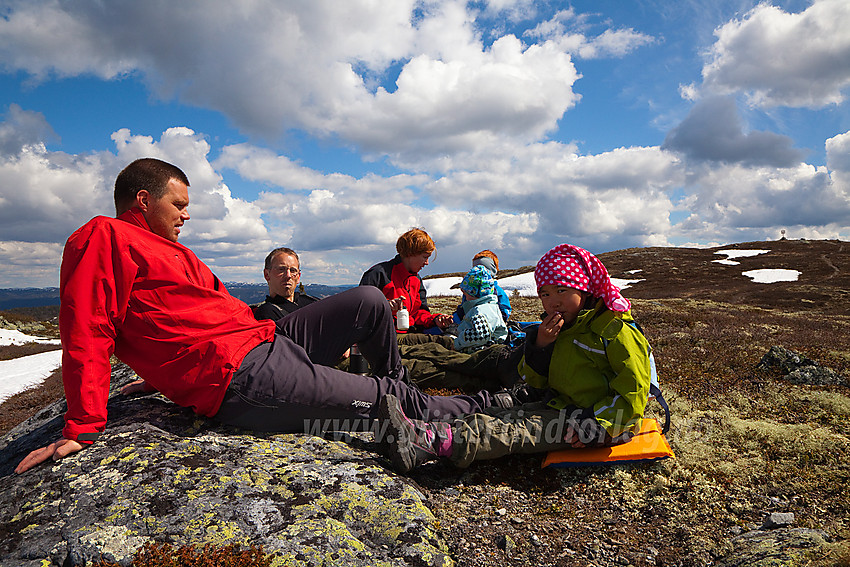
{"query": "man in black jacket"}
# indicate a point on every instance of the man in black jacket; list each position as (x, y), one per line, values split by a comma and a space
(283, 274)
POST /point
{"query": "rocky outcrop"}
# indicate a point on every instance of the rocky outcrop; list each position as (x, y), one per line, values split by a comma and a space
(26, 327)
(160, 473)
(799, 369)
(772, 548)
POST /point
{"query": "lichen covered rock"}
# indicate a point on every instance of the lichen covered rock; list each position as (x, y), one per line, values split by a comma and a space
(799, 369)
(784, 547)
(161, 473)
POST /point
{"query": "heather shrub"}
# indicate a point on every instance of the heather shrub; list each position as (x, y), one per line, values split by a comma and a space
(164, 555)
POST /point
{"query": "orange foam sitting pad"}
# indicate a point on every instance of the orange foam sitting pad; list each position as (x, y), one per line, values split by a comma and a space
(649, 444)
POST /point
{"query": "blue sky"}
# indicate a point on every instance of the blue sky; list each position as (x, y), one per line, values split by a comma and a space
(334, 127)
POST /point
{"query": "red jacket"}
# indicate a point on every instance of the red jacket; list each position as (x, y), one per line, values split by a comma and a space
(392, 278)
(151, 302)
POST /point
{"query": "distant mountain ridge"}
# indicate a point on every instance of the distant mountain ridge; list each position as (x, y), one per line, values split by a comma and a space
(28, 297)
(255, 293)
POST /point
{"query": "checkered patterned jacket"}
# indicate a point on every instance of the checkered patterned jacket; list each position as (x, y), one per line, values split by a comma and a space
(482, 324)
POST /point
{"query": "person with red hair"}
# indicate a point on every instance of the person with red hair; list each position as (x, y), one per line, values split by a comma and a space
(401, 284)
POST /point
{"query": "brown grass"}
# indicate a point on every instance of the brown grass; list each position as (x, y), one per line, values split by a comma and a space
(11, 352)
(25, 404)
(29, 402)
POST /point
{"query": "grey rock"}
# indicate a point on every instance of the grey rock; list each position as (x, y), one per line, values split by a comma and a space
(161, 473)
(783, 546)
(781, 358)
(815, 376)
(506, 544)
(777, 520)
(798, 369)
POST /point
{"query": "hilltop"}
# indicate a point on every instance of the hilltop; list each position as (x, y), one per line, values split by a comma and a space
(693, 273)
(702, 273)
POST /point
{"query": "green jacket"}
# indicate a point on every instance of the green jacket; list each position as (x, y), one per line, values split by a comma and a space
(600, 362)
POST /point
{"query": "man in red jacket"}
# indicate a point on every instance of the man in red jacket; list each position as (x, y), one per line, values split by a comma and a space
(128, 288)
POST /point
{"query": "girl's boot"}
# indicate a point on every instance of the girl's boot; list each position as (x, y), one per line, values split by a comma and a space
(411, 441)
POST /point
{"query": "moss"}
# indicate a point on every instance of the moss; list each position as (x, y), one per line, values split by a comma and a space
(219, 533)
(29, 509)
(127, 453)
(831, 555)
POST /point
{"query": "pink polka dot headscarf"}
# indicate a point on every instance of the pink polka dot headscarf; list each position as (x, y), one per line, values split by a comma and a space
(575, 267)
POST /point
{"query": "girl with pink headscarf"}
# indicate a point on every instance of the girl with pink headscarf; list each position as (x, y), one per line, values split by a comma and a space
(587, 355)
(587, 348)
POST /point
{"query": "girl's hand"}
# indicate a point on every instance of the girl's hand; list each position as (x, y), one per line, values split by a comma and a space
(397, 303)
(549, 329)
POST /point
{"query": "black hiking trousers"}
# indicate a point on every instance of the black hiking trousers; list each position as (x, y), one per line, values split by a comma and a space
(290, 385)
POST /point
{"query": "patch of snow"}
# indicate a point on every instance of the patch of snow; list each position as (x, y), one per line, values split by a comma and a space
(737, 254)
(523, 283)
(27, 372)
(10, 337)
(624, 284)
(772, 275)
(442, 286)
(741, 253)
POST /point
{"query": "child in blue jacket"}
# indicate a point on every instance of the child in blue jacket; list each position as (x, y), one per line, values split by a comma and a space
(489, 260)
(593, 361)
(482, 323)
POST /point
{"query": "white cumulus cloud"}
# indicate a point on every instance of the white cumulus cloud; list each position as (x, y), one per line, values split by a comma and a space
(404, 76)
(783, 59)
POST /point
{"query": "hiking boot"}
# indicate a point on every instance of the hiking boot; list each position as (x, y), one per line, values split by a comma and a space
(503, 399)
(522, 393)
(412, 442)
(519, 394)
(507, 365)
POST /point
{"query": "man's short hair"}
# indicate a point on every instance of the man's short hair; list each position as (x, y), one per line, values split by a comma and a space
(413, 242)
(150, 174)
(281, 250)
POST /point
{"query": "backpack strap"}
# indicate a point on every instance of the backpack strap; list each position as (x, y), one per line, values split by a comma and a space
(654, 389)
(655, 392)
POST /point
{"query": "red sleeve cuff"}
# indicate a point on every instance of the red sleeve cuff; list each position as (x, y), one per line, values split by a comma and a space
(87, 438)
(81, 437)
